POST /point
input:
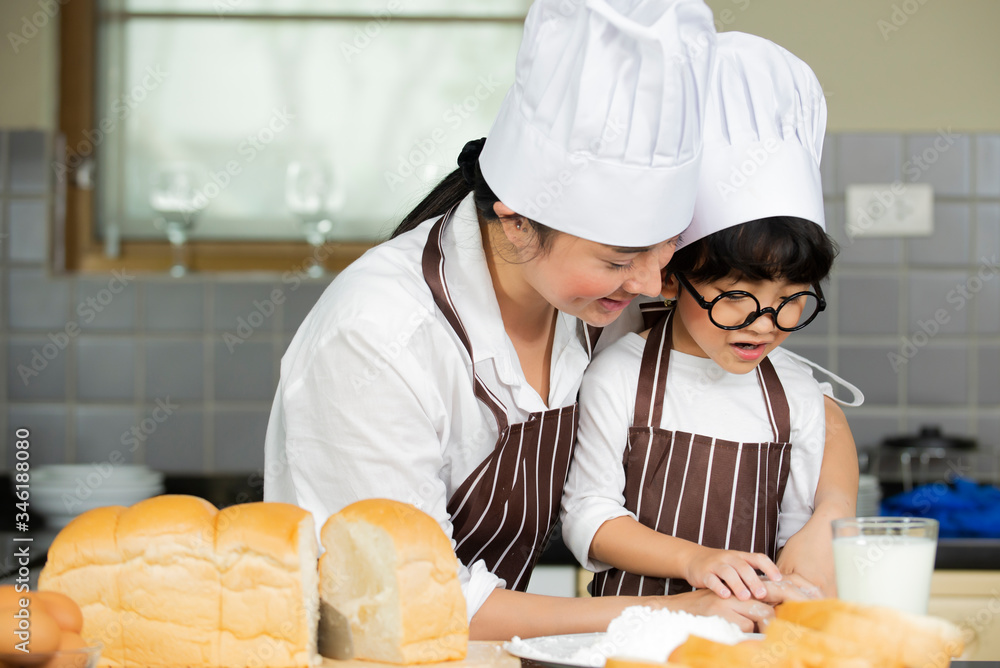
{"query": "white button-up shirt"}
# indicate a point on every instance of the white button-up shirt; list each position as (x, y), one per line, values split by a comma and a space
(376, 395)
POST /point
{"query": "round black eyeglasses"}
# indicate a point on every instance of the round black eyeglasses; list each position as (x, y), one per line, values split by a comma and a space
(737, 309)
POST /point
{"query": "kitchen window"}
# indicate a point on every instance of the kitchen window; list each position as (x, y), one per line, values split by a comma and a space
(246, 130)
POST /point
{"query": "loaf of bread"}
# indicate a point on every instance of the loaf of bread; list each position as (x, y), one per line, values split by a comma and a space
(391, 571)
(172, 581)
(830, 633)
(893, 638)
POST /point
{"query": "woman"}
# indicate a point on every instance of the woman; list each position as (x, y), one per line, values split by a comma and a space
(442, 367)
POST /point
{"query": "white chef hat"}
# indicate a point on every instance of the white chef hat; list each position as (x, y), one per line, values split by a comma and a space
(763, 139)
(600, 135)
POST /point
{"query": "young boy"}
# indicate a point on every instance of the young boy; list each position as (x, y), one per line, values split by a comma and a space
(701, 441)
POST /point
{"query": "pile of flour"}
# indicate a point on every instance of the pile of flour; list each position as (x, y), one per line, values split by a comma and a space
(639, 633)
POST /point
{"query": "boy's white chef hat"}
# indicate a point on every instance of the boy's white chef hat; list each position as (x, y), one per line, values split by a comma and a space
(600, 135)
(763, 139)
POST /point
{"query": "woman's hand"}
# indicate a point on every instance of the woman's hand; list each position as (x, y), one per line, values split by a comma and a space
(729, 572)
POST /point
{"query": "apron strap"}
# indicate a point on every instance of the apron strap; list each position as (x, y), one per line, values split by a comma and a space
(590, 336)
(652, 384)
(777, 402)
(433, 269)
(652, 312)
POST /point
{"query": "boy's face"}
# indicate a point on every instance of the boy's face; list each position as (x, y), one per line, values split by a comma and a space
(735, 350)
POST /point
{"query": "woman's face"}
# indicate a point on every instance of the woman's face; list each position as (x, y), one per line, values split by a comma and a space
(593, 281)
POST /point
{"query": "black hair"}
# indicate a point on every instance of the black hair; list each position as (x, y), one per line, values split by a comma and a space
(780, 247)
(453, 188)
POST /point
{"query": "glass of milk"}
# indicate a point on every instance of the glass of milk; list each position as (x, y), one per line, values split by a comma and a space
(885, 560)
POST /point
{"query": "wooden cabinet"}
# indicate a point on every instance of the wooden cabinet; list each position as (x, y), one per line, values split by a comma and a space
(970, 599)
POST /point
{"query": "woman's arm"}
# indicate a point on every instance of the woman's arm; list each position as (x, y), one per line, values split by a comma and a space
(511, 613)
(809, 553)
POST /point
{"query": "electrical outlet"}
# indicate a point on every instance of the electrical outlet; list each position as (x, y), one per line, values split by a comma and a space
(890, 210)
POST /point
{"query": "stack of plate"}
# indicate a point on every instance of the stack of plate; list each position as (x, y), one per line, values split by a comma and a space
(869, 496)
(61, 492)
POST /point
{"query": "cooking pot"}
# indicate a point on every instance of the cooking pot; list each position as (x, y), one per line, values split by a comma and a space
(930, 436)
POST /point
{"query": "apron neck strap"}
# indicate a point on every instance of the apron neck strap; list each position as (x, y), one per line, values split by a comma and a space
(433, 269)
(653, 374)
(775, 400)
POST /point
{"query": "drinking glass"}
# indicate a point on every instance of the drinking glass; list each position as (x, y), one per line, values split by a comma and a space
(313, 194)
(177, 200)
(885, 561)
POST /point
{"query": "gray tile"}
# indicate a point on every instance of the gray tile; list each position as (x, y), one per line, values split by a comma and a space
(246, 308)
(989, 433)
(868, 304)
(988, 369)
(938, 375)
(818, 353)
(988, 165)
(104, 430)
(245, 373)
(870, 368)
(37, 301)
(106, 303)
(3, 161)
(173, 306)
(47, 426)
(27, 229)
(868, 158)
(987, 245)
(942, 160)
(298, 302)
(828, 166)
(949, 243)
(105, 368)
(239, 440)
(36, 369)
(175, 369)
(27, 155)
(986, 305)
(176, 443)
(869, 430)
(936, 303)
(860, 250)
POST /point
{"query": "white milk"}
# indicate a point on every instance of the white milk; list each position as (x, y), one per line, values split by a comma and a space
(894, 571)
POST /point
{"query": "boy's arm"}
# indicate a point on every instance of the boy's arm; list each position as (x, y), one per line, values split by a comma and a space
(809, 553)
(631, 546)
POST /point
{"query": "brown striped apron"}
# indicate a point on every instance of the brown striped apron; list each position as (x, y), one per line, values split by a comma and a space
(717, 493)
(504, 512)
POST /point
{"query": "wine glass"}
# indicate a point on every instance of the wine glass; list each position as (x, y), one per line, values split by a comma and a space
(312, 194)
(176, 198)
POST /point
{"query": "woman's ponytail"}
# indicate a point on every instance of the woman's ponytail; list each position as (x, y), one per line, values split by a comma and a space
(453, 189)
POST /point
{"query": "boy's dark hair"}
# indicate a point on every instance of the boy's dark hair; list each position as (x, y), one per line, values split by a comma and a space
(780, 247)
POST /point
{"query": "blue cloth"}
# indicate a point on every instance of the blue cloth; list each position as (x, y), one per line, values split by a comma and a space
(964, 508)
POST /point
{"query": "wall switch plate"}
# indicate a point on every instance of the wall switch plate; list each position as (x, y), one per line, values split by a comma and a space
(890, 210)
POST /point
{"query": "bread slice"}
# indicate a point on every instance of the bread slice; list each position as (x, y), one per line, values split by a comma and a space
(391, 570)
(267, 556)
(83, 562)
(169, 582)
(815, 648)
(896, 638)
(697, 652)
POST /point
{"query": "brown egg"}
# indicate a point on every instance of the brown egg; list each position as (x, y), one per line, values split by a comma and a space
(62, 608)
(42, 635)
(67, 658)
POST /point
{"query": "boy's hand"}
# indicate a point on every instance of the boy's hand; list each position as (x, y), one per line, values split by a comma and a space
(729, 572)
